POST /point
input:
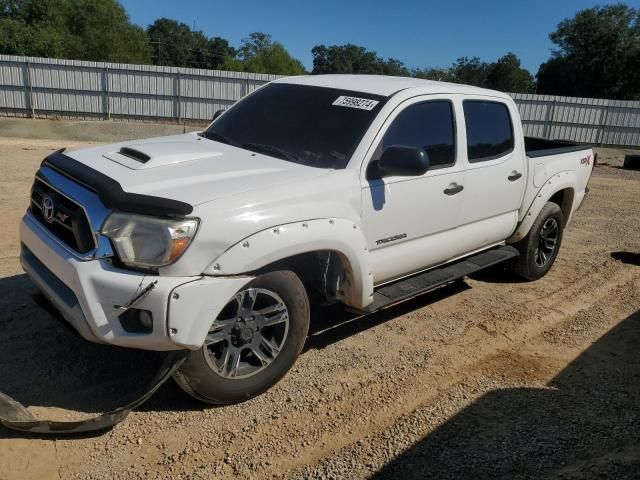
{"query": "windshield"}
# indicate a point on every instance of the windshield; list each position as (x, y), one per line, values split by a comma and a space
(314, 126)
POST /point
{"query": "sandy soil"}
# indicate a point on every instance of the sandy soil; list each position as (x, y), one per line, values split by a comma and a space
(490, 378)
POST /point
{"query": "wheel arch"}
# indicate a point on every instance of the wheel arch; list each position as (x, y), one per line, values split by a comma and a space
(560, 189)
(564, 198)
(337, 244)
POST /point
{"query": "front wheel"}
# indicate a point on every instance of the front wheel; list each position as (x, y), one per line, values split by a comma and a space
(539, 249)
(252, 344)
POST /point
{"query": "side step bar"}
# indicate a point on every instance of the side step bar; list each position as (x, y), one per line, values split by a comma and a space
(407, 288)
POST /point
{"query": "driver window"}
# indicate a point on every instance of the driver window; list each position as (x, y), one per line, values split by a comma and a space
(430, 126)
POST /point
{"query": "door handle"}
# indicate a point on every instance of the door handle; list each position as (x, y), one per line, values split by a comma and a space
(453, 189)
(514, 176)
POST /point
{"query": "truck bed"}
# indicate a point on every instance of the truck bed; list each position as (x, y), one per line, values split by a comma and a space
(540, 147)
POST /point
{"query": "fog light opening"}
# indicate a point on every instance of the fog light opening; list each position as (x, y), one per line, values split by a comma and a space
(137, 321)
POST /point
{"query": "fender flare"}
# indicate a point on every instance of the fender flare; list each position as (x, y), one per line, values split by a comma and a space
(559, 181)
(280, 242)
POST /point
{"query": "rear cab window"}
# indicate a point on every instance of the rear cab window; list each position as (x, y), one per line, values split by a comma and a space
(489, 130)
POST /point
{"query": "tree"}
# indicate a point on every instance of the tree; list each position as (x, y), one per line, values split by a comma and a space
(351, 58)
(175, 44)
(505, 74)
(470, 71)
(508, 76)
(97, 30)
(395, 67)
(598, 55)
(258, 53)
(437, 74)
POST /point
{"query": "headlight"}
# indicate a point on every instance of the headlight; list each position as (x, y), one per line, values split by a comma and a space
(149, 242)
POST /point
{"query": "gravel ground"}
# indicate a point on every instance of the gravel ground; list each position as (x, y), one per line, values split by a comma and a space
(489, 378)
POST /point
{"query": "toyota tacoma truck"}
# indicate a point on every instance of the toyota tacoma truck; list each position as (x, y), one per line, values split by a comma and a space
(358, 190)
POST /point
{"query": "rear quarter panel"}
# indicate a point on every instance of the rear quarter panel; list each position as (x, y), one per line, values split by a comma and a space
(549, 175)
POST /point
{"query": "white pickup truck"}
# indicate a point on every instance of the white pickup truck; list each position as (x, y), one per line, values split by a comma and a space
(363, 190)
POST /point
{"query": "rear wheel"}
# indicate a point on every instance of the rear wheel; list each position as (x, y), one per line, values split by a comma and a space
(539, 249)
(252, 344)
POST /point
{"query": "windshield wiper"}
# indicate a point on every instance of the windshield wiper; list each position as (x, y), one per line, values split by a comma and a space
(216, 137)
(271, 149)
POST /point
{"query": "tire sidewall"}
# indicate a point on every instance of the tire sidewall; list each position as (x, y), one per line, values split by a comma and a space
(208, 386)
(550, 210)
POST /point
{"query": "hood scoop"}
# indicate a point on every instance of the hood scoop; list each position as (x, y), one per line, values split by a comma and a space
(145, 155)
(135, 154)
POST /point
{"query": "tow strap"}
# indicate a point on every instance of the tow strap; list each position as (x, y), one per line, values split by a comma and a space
(15, 416)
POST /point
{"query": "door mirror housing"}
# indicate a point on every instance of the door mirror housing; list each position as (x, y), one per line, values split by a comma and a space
(217, 114)
(403, 161)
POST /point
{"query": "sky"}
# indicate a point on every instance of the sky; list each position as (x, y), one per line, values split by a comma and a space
(427, 33)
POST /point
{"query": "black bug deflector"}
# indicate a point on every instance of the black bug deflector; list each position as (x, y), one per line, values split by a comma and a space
(110, 192)
(15, 416)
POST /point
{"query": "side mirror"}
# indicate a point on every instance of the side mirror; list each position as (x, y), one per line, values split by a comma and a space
(217, 114)
(405, 161)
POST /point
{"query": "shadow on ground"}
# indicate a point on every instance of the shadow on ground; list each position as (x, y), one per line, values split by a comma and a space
(44, 363)
(333, 324)
(586, 424)
(627, 257)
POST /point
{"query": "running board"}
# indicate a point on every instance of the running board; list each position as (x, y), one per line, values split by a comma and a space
(410, 287)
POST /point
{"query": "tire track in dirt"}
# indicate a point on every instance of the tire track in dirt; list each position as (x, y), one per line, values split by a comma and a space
(531, 360)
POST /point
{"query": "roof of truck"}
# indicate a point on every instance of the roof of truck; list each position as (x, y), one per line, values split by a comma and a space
(385, 85)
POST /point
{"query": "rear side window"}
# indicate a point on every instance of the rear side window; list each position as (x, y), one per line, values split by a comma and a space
(429, 126)
(489, 130)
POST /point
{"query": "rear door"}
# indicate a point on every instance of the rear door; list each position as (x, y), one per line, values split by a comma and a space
(494, 178)
(407, 220)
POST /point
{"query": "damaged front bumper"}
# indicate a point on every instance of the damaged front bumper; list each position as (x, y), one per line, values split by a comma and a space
(92, 294)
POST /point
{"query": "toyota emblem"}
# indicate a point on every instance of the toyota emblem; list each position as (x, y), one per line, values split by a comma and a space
(47, 208)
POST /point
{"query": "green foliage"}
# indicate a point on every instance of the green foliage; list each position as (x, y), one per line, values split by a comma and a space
(18, 39)
(437, 74)
(175, 44)
(598, 55)
(97, 30)
(351, 58)
(506, 74)
(470, 71)
(258, 53)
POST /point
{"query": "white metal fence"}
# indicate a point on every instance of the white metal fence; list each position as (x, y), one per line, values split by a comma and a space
(585, 120)
(42, 87)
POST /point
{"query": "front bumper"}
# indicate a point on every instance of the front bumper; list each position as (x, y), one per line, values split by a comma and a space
(87, 293)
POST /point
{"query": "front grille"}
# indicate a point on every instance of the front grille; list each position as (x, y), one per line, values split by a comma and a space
(62, 217)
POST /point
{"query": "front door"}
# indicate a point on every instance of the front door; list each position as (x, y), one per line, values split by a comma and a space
(406, 220)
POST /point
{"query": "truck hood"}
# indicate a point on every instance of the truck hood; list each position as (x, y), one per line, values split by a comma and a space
(190, 168)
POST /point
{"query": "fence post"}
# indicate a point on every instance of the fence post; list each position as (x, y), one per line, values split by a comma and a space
(107, 102)
(178, 94)
(32, 105)
(549, 122)
(603, 125)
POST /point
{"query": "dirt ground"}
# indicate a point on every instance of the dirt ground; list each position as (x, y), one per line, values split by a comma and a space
(489, 378)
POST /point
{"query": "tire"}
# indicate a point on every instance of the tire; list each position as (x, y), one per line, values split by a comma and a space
(536, 258)
(210, 377)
